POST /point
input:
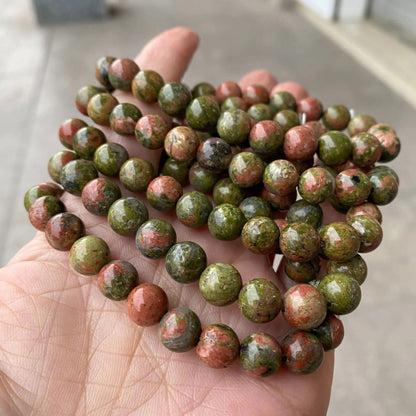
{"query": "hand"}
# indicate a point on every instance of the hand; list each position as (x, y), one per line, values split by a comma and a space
(65, 349)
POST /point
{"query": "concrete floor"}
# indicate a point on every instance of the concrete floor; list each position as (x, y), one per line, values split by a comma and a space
(43, 67)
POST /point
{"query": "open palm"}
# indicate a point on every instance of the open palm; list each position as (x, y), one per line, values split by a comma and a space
(65, 349)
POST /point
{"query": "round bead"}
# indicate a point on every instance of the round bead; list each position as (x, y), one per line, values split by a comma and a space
(254, 206)
(287, 119)
(260, 354)
(68, 129)
(380, 129)
(334, 148)
(126, 215)
(330, 332)
(109, 158)
(384, 185)
(234, 103)
(43, 209)
(280, 177)
(225, 222)
(146, 86)
(151, 131)
(57, 161)
(279, 202)
(304, 306)
(260, 235)
(234, 126)
(203, 88)
(220, 284)
(303, 211)
(342, 293)
(294, 88)
(259, 112)
(89, 254)
(84, 95)
(136, 174)
(146, 304)
(256, 93)
(336, 117)
(202, 113)
(300, 143)
(390, 145)
(302, 272)
(76, 174)
(87, 140)
(303, 352)
(122, 72)
(173, 98)
(260, 300)
(227, 192)
(366, 149)
(180, 329)
(163, 193)
(368, 209)
(101, 70)
(178, 170)
(181, 143)
(226, 90)
(311, 107)
(246, 169)
(369, 230)
(193, 209)
(117, 279)
(316, 185)
(201, 179)
(360, 123)
(356, 268)
(214, 154)
(282, 100)
(352, 187)
(100, 107)
(99, 194)
(266, 138)
(317, 128)
(154, 238)
(185, 261)
(35, 192)
(62, 230)
(123, 118)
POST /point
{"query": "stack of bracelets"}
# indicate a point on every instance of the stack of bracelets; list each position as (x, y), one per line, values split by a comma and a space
(247, 155)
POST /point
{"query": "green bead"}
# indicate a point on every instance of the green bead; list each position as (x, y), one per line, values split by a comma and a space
(330, 332)
(356, 268)
(369, 230)
(193, 209)
(146, 86)
(260, 235)
(84, 95)
(203, 88)
(99, 194)
(178, 170)
(233, 103)
(246, 169)
(121, 73)
(123, 118)
(259, 112)
(163, 192)
(43, 209)
(220, 284)
(316, 185)
(226, 222)
(100, 107)
(109, 158)
(302, 272)
(126, 215)
(101, 70)
(282, 100)
(201, 179)
(173, 98)
(366, 149)
(341, 291)
(352, 187)
(234, 126)
(35, 192)
(76, 174)
(384, 185)
(303, 211)
(334, 148)
(360, 123)
(254, 206)
(87, 140)
(287, 119)
(336, 117)
(266, 138)
(227, 192)
(150, 131)
(280, 177)
(57, 161)
(185, 262)
(202, 113)
(136, 174)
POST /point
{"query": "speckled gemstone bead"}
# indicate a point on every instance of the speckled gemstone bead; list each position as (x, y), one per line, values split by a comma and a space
(100, 107)
(146, 304)
(287, 119)
(109, 158)
(302, 272)
(203, 88)
(180, 329)
(214, 154)
(126, 215)
(43, 209)
(234, 103)
(234, 126)
(279, 202)
(356, 268)
(260, 300)
(99, 194)
(151, 130)
(390, 145)
(303, 211)
(185, 261)
(62, 230)
(123, 118)
(352, 187)
(260, 354)
(384, 185)
(218, 346)
(334, 148)
(193, 209)
(163, 192)
(368, 208)
(342, 293)
(316, 185)
(84, 95)
(360, 123)
(174, 97)
(101, 70)
(336, 117)
(260, 235)
(366, 149)
(225, 222)
(201, 179)
(369, 230)
(227, 192)
(88, 255)
(330, 332)
(181, 143)
(380, 129)
(300, 143)
(122, 72)
(57, 161)
(256, 93)
(87, 140)
(266, 138)
(317, 128)
(68, 129)
(280, 177)
(155, 237)
(220, 284)
(203, 112)
(178, 170)
(259, 112)
(311, 107)
(136, 174)
(282, 100)
(146, 86)
(246, 169)
(76, 174)
(226, 90)
(254, 206)
(304, 306)
(35, 192)
(117, 279)
(303, 352)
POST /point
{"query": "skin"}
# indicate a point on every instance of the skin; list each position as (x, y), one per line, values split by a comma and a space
(66, 349)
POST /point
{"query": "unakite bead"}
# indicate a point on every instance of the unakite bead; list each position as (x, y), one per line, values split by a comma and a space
(256, 93)
(233, 103)
(280, 177)
(316, 185)
(163, 193)
(226, 90)
(366, 149)
(100, 107)
(352, 187)
(136, 174)
(356, 268)
(384, 185)
(62, 230)
(360, 123)
(87, 140)
(117, 279)
(84, 95)
(368, 208)
(109, 158)
(155, 237)
(46, 188)
(225, 222)
(68, 129)
(259, 112)
(151, 131)
(121, 73)
(287, 119)
(57, 161)
(202, 113)
(302, 272)
(254, 206)
(220, 284)
(101, 70)
(336, 117)
(282, 100)
(185, 261)
(300, 143)
(214, 154)
(99, 194)
(246, 169)
(380, 129)
(279, 202)
(227, 192)
(311, 108)
(341, 291)
(303, 211)
(76, 174)
(193, 209)
(181, 143)
(180, 329)
(123, 118)
(146, 86)
(173, 98)
(234, 126)
(260, 354)
(260, 300)
(126, 215)
(43, 209)
(369, 230)
(334, 148)
(178, 170)
(203, 88)
(89, 254)
(330, 332)
(260, 235)
(266, 138)
(201, 179)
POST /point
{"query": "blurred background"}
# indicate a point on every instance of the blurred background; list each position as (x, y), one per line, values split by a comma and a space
(355, 52)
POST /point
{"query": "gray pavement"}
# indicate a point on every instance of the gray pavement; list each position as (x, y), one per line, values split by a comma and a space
(43, 67)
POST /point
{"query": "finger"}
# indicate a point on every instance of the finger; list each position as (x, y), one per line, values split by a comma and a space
(259, 76)
(293, 87)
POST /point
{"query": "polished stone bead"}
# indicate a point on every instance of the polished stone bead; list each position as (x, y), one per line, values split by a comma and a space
(303, 211)
(87, 140)
(225, 222)
(146, 86)
(136, 174)
(260, 235)
(227, 192)
(336, 117)
(122, 72)
(126, 215)
(57, 161)
(334, 148)
(45, 188)
(151, 130)
(173, 98)
(163, 192)
(280, 177)
(356, 268)
(234, 126)
(123, 118)
(101, 70)
(181, 143)
(62, 230)
(214, 154)
(99, 194)
(193, 209)
(202, 113)
(43, 209)
(76, 174)
(254, 206)
(68, 129)
(100, 107)
(109, 158)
